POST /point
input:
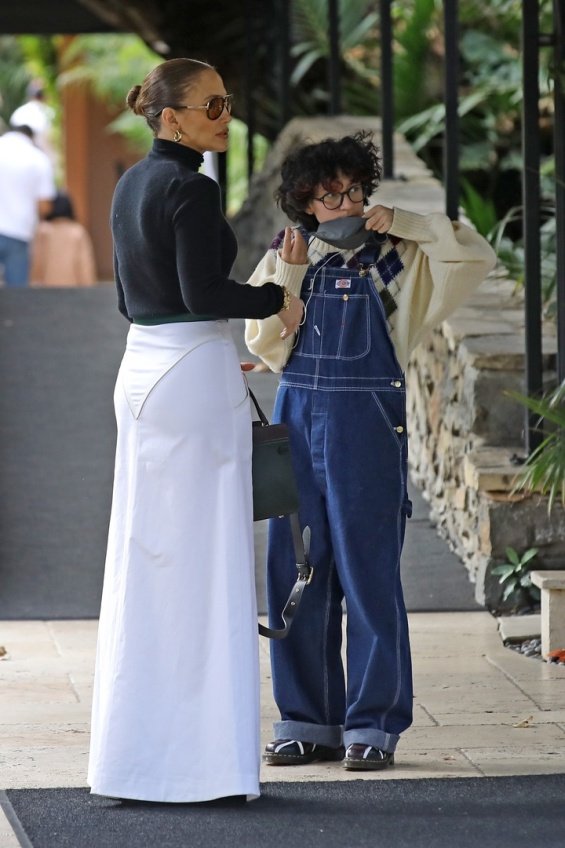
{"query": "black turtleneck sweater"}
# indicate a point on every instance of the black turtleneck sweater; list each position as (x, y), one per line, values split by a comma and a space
(173, 248)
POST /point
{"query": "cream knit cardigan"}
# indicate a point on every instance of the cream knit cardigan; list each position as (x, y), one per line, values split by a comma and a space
(443, 262)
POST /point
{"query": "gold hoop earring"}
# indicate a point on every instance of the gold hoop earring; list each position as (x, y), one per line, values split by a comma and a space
(177, 136)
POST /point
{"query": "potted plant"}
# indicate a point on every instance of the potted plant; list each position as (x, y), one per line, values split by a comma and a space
(515, 575)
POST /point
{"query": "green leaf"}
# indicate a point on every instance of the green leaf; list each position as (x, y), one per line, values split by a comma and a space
(510, 589)
(304, 65)
(512, 556)
(543, 406)
(505, 571)
(545, 467)
(530, 554)
(480, 211)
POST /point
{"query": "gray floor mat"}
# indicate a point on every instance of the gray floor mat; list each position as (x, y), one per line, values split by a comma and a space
(60, 350)
(513, 812)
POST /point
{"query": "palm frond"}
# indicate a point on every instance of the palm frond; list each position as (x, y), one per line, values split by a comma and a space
(544, 471)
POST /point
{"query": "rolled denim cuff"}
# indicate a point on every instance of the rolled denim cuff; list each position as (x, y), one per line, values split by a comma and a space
(318, 734)
(369, 736)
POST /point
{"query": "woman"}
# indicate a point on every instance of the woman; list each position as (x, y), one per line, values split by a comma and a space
(62, 253)
(375, 282)
(175, 711)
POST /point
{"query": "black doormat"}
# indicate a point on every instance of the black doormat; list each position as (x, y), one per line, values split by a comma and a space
(513, 812)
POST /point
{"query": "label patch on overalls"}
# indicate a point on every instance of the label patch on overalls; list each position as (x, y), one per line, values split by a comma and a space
(343, 284)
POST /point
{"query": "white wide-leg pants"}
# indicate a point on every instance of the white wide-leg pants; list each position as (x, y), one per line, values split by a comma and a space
(176, 696)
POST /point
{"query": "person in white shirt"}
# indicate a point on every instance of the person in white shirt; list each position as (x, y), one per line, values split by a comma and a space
(27, 187)
(38, 116)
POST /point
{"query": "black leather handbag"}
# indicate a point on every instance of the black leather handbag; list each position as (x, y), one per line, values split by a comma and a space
(274, 487)
(275, 495)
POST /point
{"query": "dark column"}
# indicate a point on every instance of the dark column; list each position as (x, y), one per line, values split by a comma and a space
(334, 63)
(531, 205)
(387, 103)
(559, 147)
(451, 95)
(250, 48)
(283, 9)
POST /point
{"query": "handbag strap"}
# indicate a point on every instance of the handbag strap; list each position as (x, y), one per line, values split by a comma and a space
(305, 573)
(305, 570)
(262, 417)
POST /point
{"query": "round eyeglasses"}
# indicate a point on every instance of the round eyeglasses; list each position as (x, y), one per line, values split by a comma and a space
(334, 199)
(214, 107)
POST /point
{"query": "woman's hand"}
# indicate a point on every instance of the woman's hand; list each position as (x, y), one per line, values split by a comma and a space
(294, 250)
(254, 366)
(379, 218)
(292, 316)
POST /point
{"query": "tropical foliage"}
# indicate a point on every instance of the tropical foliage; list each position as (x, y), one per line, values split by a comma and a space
(86, 62)
(311, 48)
(510, 251)
(490, 101)
(14, 78)
(544, 471)
(110, 65)
(490, 88)
(515, 575)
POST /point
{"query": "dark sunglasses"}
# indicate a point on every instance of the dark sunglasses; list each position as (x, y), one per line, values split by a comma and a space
(214, 107)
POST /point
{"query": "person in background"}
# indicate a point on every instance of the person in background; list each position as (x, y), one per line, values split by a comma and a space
(62, 252)
(27, 189)
(375, 281)
(175, 713)
(38, 116)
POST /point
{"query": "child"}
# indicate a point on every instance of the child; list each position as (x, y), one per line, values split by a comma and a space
(374, 282)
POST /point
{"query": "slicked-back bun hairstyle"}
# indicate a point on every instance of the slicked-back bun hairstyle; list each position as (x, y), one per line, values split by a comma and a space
(165, 85)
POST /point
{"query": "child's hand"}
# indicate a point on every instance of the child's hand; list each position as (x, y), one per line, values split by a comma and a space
(293, 250)
(379, 218)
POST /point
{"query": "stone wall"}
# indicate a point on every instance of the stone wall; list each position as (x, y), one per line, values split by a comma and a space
(463, 429)
(465, 435)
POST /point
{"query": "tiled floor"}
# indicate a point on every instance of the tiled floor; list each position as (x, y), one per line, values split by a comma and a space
(480, 709)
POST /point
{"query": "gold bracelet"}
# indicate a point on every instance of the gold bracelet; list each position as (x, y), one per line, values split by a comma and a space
(286, 298)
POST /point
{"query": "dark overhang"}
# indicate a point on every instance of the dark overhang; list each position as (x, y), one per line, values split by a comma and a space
(41, 17)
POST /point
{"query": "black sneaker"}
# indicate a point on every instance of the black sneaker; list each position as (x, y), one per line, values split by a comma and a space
(359, 757)
(292, 752)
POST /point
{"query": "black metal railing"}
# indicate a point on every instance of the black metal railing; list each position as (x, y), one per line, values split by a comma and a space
(559, 148)
(334, 63)
(387, 97)
(451, 100)
(533, 376)
(531, 43)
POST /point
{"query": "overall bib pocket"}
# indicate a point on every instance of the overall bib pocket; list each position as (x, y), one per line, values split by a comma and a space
(338, 327)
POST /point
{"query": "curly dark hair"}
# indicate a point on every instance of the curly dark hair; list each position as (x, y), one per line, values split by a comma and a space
(317, 164)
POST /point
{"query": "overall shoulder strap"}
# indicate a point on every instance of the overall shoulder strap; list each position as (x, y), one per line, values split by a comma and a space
(371, 254)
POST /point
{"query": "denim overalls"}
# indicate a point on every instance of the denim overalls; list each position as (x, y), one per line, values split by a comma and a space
(342, 394)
